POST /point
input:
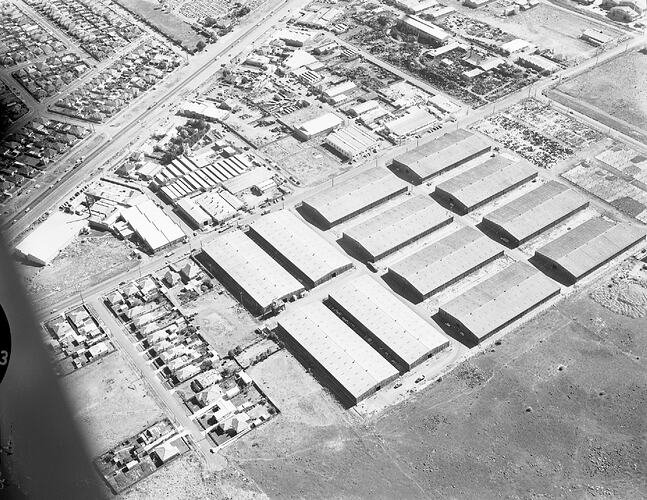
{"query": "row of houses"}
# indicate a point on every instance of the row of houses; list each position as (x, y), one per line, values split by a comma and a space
(44, 79)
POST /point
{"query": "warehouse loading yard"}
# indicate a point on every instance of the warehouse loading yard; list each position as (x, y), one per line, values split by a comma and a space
(338, 250)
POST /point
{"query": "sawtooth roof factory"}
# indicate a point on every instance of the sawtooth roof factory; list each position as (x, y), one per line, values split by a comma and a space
(351, 197)
(249, 273)
(587, 247)
(532, 213)
(298, 248)
(398, 332)
(444, 262)
(396, 228)
(440, 155)
(483, 183)
(342, 359)
(498, 301)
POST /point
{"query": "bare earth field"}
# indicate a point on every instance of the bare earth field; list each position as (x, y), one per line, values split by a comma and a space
(616, 89)
(555, 411)
(110, 402)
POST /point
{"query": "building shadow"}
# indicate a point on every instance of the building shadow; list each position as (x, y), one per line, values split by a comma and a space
(453, 332)
(551, 271)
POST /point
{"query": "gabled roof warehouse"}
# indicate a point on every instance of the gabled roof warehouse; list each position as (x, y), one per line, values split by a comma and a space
(444, 262)
(397, 227)
(588, 246)
(352, 368)
(252, 275)
(353, 196)
(444, 153)
(482, 183)
(498, 301)
(388, 322)
(534, 212)
(296, 246)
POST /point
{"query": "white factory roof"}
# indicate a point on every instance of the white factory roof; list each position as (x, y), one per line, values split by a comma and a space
(215, 206)
(351, 361)
(293, 36)
(363, 107)
(152, 225)
(414, 120)
(515, 45)
(302, 246)
(372, 306)
(427, 28)
(299, 58)
(197, 215)
(257, 175)
(355, 194)
(251, 268)
(339, 88)
(320, 124)
(398, 225)
(44, 243)
(351, 140)
(446, 260)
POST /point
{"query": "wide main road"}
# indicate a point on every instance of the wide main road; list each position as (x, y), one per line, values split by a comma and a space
(200, 68)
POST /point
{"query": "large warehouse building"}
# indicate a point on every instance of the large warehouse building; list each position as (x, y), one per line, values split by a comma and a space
(396, 228)
(483, 183)
(587, 247)
(534, 212)
(444, 262)
(347, 199)
(440, 155)
(249, 273)
(393, 327)
(303, 252)
(498, 301)
(346, 363)
(152, 225)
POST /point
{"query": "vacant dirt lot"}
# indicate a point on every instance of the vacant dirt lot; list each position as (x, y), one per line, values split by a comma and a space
(555, 411)
(110, 402)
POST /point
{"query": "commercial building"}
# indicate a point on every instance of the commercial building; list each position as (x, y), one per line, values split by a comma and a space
(193, 212)
(444, 262)
(45, 242)
(249, 273)
(343, 360)
(525, 217)
(595, 37)
(153, 227)
(293, 38)
(423, 29)
(498, 301)
(353, 196)
(218, 206)
(392, 327)
(298, 248)
(514, 46)
(587, 247)
(440, 155)
(414, 121)
(396, 228)
(254, 177)
(415, 6)
(318, 126)
(483, 183)
(363, 107)
(338, 89)
(352, 141)
(538, 63)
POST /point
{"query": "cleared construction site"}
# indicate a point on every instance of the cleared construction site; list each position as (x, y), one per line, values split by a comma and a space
(498, 301)
(440, 155)
(443, 262)
(298, 248)
(586, 247)
(483, 183)
(396, 228)
(351, 197)
(532, 213)
(396, 330)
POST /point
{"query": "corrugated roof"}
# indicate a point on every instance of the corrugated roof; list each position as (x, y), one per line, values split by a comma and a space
(446, 260)
(404, 332)
(536, 210)
(344, 354)
(299, 244)
(487, 180)
(251, 268)
(402, 223)
(495, 302)
(355, 194)
(590, 245)
(44, 243)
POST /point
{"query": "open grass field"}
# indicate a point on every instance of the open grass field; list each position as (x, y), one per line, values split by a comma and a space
(555, 411)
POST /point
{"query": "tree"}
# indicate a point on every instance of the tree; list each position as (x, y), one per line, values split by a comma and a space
(200, 46)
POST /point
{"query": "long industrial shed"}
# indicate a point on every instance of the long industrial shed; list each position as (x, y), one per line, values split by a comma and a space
(498, 301)
(444, 262)
(532, 213)
(587, 247)
(249, 273)
(298, 248)
(440, 155)
(396, 228)
(387, 322)
(353, 196)
(344, 361)
(483, 183)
